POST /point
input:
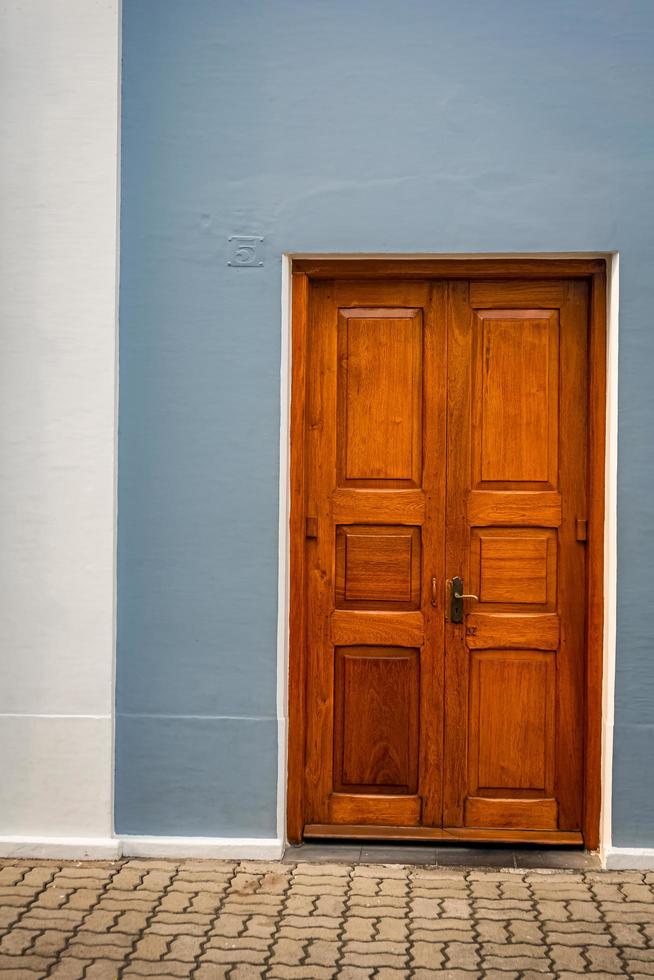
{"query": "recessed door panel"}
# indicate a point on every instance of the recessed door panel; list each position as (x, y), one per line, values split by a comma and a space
(376, 720)
(379, 423)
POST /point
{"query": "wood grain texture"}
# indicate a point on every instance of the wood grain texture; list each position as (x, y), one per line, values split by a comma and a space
(515, 399)
(378, 506)
(377, 566)
(500, 268)
(354, 627)
(376, 718)
(511, 739)
(525, 509)
(595, 544)
(379, 415)
(486, 631)
(449, 835)
(295, 806)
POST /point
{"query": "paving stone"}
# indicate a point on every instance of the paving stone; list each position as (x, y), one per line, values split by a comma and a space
(288, 951)
(567, 958)
(17, 941)
(607, 960)
(518, 963)
(522, 931)
(392, 930)
(38, 964)
(329, 905)
(101, 970)
(11, 875)
(428, 955)
(373, 959)
(146, 968)
(323, 953)
(627, 934)
(282, 972)
(356, 927)
(69, 969)
(185, 948)
(151, 947)
(215, 971)
(50, 943)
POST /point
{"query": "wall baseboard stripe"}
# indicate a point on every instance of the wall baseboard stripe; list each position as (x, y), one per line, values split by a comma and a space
(70, 848)
(234, 848)
(629, 858)
(112, 848)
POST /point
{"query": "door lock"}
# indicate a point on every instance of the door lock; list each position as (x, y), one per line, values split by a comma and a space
(456, 599)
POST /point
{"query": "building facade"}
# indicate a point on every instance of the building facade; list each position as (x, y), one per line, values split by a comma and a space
(170, 165)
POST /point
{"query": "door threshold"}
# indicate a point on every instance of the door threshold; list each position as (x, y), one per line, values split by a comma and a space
(443, 856)
(450, 835)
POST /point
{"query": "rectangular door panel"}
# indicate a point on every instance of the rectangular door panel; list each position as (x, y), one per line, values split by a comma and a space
(376, 715)
(379, 427)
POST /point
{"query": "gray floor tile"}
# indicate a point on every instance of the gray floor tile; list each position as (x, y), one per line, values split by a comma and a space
(476, 857)
(398, 854)
(578, 860)
(346, 853)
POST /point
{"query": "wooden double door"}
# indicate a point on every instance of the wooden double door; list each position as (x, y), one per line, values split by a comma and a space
(445, 451)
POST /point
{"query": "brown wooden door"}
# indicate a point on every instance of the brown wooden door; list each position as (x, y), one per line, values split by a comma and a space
(514, 670)
(446, 435)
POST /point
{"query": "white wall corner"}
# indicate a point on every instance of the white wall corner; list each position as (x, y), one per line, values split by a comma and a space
(68, 848)
(629, 858)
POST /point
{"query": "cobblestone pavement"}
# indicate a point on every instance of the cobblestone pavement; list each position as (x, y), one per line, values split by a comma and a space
(241, 920)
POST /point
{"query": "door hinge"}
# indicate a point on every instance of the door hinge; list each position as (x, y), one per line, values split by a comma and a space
(582, 529)
(311, 528)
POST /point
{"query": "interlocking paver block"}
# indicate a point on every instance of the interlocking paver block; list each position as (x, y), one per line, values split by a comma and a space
(322, 952)
(393, 930)
(101, 970)
(16, 942)
(11, 875)
(567, 958)
(288, 951)
(69, 969)
(462, 956)
(628, 934)
(38, 964)
(428, 955)
(151, 947)
(50, 943)
(146, 968)
(600, 958)
(185, 948)
(282, 972)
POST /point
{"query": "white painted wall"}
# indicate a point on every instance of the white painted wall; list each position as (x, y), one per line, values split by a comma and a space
(59, 77)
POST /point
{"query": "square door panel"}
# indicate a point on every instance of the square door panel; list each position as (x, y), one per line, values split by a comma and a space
(376, 719)
(377, 566)
(379, 434)
(514, 567)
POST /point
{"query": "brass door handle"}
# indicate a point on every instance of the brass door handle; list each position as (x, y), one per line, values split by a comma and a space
(456, 600)
(434, 600)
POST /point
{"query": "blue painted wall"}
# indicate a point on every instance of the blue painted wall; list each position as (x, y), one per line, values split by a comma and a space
(420, 125)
